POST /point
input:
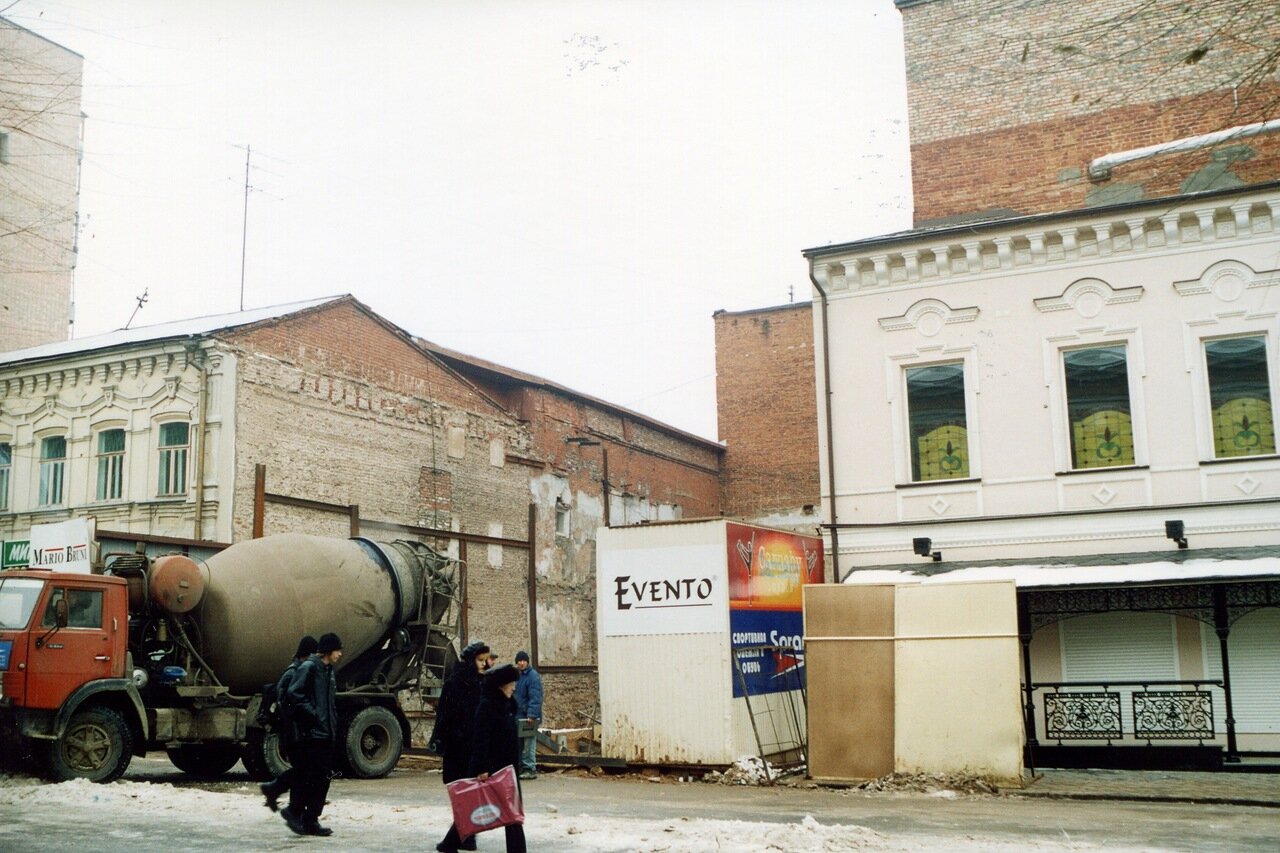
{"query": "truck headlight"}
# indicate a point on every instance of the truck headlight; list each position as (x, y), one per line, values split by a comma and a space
(140, 678)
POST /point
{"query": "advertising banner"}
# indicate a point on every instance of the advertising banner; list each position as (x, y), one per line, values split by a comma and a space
(767, 569)
(674, 590)
(14, 554)
(62, 547)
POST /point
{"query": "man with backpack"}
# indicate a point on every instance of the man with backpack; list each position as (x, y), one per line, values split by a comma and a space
(313, 709)
(275, 715)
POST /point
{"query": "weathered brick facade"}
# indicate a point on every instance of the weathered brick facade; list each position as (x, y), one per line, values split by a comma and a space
(344, 409)
(655, 472)
(1010, 102)
(768, 414)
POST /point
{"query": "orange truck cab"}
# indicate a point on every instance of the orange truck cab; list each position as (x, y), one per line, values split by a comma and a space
(67, 697)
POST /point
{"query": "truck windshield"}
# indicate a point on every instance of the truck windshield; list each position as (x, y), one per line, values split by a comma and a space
(17, 600)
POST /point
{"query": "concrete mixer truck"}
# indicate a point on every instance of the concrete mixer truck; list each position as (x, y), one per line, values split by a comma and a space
(174, 654)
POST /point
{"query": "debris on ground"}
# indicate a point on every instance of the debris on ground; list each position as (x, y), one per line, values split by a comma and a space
(931, 783)
(747, 770)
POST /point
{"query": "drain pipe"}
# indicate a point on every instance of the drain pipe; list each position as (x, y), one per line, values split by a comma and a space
(831, 441)
(1100, 168)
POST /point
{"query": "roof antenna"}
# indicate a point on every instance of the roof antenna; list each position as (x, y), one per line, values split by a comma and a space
(141, 301)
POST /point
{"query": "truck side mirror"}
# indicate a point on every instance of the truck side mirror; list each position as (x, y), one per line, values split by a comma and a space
(60, 612)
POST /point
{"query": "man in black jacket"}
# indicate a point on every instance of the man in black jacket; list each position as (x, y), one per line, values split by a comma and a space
(283, 728)
(312, 698)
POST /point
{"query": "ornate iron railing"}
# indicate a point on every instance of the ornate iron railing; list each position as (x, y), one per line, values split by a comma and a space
(1073, 713)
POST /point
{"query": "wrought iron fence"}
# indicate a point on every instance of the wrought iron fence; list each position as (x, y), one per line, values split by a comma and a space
(1091, 710)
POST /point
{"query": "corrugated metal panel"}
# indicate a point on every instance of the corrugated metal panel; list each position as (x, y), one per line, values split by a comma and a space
(667, 699)
(1255, 672)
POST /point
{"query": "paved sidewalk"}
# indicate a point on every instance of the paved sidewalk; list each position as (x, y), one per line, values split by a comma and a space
(1251, 789)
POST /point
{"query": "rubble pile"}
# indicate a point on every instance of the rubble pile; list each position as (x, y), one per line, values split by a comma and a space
(929, 783)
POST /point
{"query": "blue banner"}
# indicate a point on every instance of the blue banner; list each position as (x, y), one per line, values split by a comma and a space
(767, 670)
(6, 646)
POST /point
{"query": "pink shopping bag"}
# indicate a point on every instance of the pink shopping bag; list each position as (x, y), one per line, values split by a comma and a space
(480, 806)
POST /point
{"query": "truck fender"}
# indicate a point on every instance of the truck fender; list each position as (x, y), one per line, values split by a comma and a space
(122, 694)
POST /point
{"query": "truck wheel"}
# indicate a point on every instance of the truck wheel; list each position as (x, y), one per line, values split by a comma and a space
(97, 745)
(373, 743)
(204, 759)
(262, 755)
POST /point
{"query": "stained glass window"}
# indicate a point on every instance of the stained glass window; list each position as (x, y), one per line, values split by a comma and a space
(1240, 397)
(939, 434)
(1097, 381)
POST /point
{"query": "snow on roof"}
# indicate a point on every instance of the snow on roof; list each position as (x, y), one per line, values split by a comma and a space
(158, 332)
(1034, 575)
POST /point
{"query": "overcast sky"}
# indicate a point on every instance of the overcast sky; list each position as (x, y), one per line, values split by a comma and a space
(567, 188)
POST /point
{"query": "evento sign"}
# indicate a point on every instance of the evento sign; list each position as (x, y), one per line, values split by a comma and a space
(677, 590)
(767, 571)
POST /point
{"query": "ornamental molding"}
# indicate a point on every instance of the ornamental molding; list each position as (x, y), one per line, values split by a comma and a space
(920, 259)
(1087, 297)
(927, 317)
(1227, 280)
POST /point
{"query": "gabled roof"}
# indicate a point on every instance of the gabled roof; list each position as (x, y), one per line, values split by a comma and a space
(509, 376)
(198, 326)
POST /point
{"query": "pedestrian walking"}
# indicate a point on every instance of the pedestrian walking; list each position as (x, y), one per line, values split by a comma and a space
(313, 707)
(455, 721)
(528, 714)
(283, 727)
(495, 744)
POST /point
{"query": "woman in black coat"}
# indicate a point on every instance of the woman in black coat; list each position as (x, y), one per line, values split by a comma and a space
(455, 719)
(495, 743)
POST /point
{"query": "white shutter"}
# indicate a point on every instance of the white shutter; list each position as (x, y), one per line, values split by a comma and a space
(1119, 647)
(1254, 649)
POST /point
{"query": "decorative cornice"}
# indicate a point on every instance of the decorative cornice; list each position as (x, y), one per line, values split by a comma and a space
(924, 259)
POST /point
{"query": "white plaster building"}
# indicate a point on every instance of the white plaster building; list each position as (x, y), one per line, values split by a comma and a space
(1053, 390)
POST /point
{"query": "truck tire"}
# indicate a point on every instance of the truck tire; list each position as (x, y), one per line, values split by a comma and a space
(372, 743)
(204, 759)
(97, 745)
(262, 755)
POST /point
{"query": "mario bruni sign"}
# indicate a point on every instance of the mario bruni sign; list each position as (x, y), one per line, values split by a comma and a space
(673, 590)
(62, 547)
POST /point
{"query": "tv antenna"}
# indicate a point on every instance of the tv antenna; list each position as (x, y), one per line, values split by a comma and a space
(244, 229)
(142, 300)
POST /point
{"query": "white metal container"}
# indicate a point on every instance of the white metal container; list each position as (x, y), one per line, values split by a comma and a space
(677, 602)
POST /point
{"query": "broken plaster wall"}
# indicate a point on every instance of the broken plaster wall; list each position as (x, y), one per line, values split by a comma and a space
(565, 567)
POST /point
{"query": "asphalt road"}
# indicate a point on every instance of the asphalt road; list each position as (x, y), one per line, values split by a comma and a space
(407, 811)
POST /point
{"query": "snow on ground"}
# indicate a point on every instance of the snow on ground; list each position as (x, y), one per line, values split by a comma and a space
(548, 827)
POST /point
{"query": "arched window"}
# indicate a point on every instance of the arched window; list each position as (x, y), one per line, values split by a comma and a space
(53, 467)
(175, 439)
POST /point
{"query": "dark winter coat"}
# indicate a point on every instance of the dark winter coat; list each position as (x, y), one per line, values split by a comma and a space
(283, 723)
(313, 700)
(496, 742)
(455, 717)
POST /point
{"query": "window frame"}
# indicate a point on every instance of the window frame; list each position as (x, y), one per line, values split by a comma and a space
(1056, 381)
(57, 464)
(896, 367)
(1066, 397)
(6, 473)
(1203, 396)
(165, 469)
(120, 458)
(911, 441)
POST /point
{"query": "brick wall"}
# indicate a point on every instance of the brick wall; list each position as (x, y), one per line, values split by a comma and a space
(767, 411)
(40, 121)
(1009, 102)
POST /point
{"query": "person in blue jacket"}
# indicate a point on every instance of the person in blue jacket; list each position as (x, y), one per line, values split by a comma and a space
(528, 714)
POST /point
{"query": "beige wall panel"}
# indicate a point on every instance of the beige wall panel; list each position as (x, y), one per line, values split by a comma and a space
(850, 681)
(1232, 483)
(1097, 491)
(958, 707)
(924, 504)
